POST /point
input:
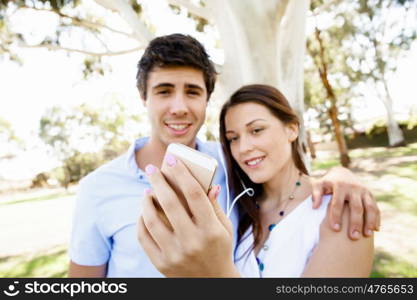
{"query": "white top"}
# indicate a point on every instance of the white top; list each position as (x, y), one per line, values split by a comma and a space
(288, 247)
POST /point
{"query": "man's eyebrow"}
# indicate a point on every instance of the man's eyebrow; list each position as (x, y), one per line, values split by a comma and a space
(163, 84)
(193, 86)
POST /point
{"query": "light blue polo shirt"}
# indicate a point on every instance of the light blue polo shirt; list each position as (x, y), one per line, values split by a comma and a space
(108, 207)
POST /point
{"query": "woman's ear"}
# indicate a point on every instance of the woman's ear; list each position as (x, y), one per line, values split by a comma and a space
(292, 131)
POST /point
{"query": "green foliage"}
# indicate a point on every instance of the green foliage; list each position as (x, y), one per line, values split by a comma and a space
(389, 266)
(85, 137)
(54, 4)
(200, 23)
(325, 164)
(94, 65)
(136, 6)
(6, 132)
(398, 171)
(76, 167)
(45, 197)
(52, 263)
(362, 43)
(74, 24)
(412, 121)
(380, 127)
(377, 136)
(8, 137)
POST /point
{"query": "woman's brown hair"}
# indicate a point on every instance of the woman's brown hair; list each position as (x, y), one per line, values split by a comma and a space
(278, 105)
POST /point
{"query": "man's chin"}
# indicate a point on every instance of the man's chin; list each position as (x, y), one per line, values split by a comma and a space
(181, 140)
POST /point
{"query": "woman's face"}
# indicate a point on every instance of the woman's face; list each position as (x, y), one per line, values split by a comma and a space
(260, 143)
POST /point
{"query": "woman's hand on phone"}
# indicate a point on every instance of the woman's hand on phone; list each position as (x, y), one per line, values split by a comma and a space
(198, 243)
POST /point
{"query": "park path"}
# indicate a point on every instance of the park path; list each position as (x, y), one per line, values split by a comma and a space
(30, 227)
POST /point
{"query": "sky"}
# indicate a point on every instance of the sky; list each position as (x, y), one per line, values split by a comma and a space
(50, 78)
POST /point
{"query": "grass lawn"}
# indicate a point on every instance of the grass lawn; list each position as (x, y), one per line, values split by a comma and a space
(391, 174)
(51, 263)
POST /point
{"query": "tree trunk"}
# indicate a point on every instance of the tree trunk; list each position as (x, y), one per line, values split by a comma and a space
(264, 42)
(333, 111)
(310, 145)
(395, 134)
(340, 139)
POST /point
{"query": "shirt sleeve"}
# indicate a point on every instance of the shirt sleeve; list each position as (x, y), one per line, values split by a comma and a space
(88, 246)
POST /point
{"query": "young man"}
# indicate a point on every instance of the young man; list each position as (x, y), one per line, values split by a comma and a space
(175, 81)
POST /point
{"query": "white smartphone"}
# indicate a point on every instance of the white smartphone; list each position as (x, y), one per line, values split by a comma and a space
(202, 166)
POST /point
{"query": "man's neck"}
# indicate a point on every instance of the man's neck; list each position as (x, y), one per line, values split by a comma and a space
(152, 152)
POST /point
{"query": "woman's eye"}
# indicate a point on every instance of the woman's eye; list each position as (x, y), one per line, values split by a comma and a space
(232, 139)
(257, 130)
(163, 92)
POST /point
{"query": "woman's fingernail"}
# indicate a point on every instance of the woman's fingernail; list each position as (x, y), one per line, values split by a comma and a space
(150, 169)
(148, 191)
(336, 226)
(355, 234)
(369, 232)
(218, 188)
(171, 160)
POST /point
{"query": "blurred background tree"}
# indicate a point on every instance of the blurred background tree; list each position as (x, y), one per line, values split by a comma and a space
(9, 141)
(271, 52)
(353, 44)
(84, 137)
(361, 47)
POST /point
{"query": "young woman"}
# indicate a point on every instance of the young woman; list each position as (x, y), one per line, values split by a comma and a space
(280, 235)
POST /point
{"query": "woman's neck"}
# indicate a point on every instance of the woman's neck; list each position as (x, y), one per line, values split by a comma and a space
(282, 183)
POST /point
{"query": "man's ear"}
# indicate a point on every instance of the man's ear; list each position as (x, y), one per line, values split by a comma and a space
(292, 130)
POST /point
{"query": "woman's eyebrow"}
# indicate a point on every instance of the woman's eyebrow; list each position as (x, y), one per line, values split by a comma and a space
(249, 123)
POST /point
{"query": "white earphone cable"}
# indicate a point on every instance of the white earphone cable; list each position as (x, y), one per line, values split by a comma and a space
(249, 191)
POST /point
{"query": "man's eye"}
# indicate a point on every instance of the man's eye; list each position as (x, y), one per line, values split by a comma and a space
(194, 93)
(162, 92)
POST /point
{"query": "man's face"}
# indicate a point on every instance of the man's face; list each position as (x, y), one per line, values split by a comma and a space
(176, 101)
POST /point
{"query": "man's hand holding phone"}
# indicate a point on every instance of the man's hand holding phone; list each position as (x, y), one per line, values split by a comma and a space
(196, 238)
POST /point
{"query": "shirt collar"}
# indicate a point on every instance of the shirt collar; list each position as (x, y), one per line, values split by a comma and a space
(139, 143)
(131, 165)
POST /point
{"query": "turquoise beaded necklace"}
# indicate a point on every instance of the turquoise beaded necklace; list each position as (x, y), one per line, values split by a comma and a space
(281, 213)
(290, 198)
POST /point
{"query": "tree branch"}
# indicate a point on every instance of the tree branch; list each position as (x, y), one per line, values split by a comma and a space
(281, 9)
(81, 22)
(320, 9)
(199, 11)
(126, 12)
(98, 54)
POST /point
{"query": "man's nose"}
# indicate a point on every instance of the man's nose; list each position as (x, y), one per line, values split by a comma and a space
(179, 105)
